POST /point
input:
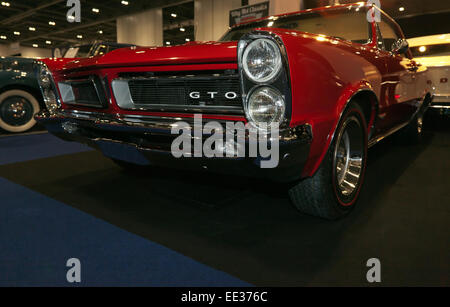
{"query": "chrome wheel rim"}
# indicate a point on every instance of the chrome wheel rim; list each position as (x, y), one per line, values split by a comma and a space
(349, 157)
(16, 111)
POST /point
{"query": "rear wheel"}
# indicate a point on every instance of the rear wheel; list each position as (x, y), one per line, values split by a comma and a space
(17, 110)
(333, 191)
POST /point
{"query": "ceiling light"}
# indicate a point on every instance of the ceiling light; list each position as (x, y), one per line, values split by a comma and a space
(124, 2)
(79, 36)
(3, 37)
(100, 32)
(423, 49)
(182, 29)
(167, 43)
(188, 39)
(401, 9)
(52, 23)
(95, 10)
(5, 4)
(16, 33)
(32, 28)
(174, 15)
(35, 45)
(48, 42)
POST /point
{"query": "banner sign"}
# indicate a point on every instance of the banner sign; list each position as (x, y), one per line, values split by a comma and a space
(248, 13)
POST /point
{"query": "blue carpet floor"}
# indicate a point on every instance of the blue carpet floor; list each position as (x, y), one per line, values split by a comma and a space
(38, 235)
(32, 147)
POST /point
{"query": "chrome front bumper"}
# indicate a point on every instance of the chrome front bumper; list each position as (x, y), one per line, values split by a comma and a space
(441, 102)
(147, 140)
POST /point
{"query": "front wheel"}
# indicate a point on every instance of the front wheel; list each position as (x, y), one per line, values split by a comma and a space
(333, 191)
(17, 110)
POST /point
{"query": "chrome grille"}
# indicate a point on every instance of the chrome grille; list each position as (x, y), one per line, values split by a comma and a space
(206, 94)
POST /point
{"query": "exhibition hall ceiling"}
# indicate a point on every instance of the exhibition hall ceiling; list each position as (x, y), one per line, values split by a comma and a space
(42, 23)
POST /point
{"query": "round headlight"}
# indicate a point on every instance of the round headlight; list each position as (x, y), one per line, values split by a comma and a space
(262, 60)
(265, 106)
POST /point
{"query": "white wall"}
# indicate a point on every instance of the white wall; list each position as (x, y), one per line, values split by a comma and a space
(3, 50)
(144, 29)
(212, 18)
(27, 52)
(211, 21)
(282, 6)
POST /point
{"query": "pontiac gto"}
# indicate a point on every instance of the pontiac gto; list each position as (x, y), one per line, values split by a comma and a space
(335, 79)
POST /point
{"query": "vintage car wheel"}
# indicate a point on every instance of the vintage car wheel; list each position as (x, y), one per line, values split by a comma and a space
(333, 191)
(17, 110)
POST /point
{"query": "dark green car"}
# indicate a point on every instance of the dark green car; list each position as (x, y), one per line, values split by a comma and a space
(20, 96)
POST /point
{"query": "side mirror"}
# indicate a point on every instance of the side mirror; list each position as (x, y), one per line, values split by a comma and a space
(400, 46)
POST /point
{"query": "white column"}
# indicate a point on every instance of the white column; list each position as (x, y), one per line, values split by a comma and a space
(143, 29)
(281, 6)
(212, 18)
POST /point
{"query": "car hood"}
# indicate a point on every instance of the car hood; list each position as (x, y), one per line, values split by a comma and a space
(56, 63)
(191, 53)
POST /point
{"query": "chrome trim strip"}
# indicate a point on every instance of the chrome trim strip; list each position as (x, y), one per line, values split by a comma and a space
(438, 106)
(67, 94)
(378, 139)
(122, 94)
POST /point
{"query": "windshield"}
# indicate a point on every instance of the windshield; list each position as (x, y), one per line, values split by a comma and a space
(78, 52)
(431, 50)
(349, 24)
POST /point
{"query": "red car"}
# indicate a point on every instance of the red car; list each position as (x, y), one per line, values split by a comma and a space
(335, 81)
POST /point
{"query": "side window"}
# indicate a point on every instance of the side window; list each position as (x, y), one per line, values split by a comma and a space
(101, 50)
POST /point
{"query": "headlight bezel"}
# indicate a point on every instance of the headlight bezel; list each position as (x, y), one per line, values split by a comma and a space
(281, 82)
(277, 59)
(48, 88)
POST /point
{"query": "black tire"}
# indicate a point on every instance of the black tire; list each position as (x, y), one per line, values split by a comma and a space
(412, 134)
(17, 110)
(325, 195)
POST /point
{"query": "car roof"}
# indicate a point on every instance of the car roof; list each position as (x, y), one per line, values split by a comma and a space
(429, 40)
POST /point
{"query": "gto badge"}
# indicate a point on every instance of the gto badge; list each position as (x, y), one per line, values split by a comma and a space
(212, 95)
